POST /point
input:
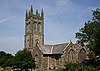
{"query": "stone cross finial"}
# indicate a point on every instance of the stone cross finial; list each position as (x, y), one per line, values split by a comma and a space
(70, 41)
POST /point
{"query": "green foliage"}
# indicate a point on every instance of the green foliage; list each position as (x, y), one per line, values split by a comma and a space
(23, 60)
(69, 66)
(90, 33)
(6, 59)
(76, 67)
(95, 63)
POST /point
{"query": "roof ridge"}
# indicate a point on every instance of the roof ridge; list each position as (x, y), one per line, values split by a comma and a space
(55, 44)
(49, 45)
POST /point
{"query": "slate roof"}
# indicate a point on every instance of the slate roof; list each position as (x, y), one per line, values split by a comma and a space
(54, 49)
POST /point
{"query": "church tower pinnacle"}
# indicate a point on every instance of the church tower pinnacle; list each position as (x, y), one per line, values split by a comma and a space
(26, 15)
(31, 9)
(42, 14)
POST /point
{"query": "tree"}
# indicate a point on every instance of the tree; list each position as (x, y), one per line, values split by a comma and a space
(23, 60)
(6, 59)
(77, 67)
(90, 33)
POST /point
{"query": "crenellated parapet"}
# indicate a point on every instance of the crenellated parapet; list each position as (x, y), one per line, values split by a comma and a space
(29, 14)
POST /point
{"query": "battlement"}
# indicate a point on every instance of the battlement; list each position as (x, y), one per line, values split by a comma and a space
(29, 14)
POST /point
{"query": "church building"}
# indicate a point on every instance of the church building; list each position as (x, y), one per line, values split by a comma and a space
(48, 56)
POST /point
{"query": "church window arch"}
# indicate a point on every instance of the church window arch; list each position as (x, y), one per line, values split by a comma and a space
(28, 27)
(82, 55)
(71, 54)
(34, 25)
(39, 26)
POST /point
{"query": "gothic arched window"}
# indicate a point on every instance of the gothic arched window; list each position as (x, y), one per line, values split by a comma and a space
(82, 55)
(39, 27)
(28, 27)
(71, 55)
(34, 25)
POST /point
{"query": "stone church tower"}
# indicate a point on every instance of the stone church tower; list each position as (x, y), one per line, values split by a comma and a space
(48, 56)
(34, 29)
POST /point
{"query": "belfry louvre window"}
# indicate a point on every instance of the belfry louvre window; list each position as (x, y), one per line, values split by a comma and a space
(39, 27)
(34, 25)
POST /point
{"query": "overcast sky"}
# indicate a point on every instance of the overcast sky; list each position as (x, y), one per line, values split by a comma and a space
(63, 18)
